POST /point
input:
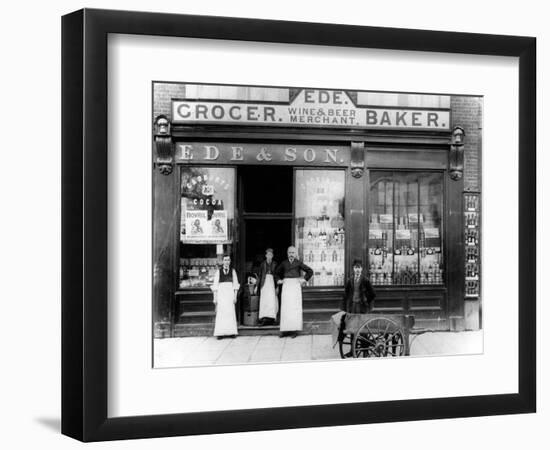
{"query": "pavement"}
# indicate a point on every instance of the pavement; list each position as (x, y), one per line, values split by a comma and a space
(207, 350)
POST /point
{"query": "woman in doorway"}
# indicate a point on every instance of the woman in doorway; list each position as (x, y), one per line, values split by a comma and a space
(269, 304)
(225, 288)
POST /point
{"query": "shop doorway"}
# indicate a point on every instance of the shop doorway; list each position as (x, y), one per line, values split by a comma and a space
(265, 233)
(266, 212)
(266, 215)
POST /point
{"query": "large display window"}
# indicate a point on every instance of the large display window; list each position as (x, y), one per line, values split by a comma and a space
(207, 222)
(319, 222)
(406, 228)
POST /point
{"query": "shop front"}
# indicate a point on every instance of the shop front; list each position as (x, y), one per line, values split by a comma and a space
(340, 175)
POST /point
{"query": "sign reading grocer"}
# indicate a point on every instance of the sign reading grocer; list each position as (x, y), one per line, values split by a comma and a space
(310, 108)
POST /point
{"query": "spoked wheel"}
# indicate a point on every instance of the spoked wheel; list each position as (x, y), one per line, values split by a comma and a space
(378, 337)
(344, 345)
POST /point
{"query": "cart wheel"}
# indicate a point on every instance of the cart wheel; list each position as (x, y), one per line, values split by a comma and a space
(344, 345)
(378, 337)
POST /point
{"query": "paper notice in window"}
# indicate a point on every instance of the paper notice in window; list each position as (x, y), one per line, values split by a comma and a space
(375, 234)
(386, 218)
(431, 232)
(199, 229)
(218, 226)
(195, 224)
(402, 234)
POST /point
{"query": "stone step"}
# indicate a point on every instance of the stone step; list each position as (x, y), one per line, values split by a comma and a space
(206, 304)
(205, 329)
(194, 329)
(206, 295)
(203, 307)
(197, 306)
(197, 317)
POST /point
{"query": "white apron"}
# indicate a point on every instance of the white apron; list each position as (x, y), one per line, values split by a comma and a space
(269, 304)
(291, 305)
(226, 320)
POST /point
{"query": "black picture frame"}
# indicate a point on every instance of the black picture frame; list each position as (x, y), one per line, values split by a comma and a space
(84, 224)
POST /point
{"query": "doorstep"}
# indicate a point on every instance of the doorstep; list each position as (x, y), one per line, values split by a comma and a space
(207, 329)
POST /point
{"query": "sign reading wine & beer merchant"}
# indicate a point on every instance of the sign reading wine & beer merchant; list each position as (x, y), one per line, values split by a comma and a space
(311, 108)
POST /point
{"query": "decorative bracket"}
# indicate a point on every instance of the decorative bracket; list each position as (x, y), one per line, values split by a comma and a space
(456, 154)
(357, 163)
(163, 143)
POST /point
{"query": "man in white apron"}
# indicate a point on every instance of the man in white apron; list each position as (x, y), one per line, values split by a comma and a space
(225, 288)
(269, 304)
(289, 274)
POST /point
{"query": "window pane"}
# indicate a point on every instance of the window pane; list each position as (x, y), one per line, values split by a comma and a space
(207, 222)
(405, 228)
(431, 207)
(319, 214)
(381, 228)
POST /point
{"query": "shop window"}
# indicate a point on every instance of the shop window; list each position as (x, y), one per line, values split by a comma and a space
(405, 228)
(207, 222)
(319, 221)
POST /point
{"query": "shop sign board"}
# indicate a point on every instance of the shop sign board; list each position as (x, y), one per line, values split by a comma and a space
(251, 153)
(311, 108)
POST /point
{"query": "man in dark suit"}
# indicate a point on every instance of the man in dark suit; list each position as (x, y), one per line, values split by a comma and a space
(358, 292)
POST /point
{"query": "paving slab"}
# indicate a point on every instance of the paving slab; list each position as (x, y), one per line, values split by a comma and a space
(207, 350)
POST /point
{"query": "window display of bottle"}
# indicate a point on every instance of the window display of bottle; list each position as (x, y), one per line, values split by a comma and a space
(405, 227)
(320, 223)
(197, 272)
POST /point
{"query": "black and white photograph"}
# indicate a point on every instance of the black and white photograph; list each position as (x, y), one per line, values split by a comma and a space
(269, 225)
(297, 224)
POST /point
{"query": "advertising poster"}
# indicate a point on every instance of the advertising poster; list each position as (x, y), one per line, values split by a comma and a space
(198, 228)
(195, 225)
(218, 226)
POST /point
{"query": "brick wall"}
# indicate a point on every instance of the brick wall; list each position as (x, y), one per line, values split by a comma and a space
(163, 93)
(467, 112)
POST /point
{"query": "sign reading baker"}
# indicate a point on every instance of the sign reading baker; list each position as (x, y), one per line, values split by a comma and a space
(310, 108)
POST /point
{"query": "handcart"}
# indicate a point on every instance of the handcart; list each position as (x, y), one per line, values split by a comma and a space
(375, 335)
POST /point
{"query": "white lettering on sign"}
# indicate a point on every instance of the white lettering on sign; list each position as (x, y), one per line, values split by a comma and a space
(310, 108)
(211, 152)
(237, 154)
(263, 155)
(309, 155)
(330, 155)
(290, 154)
(221, 153)
(186, 152)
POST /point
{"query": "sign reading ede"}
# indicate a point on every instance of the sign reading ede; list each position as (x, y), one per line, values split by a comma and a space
(311, 108)
(323, 96)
